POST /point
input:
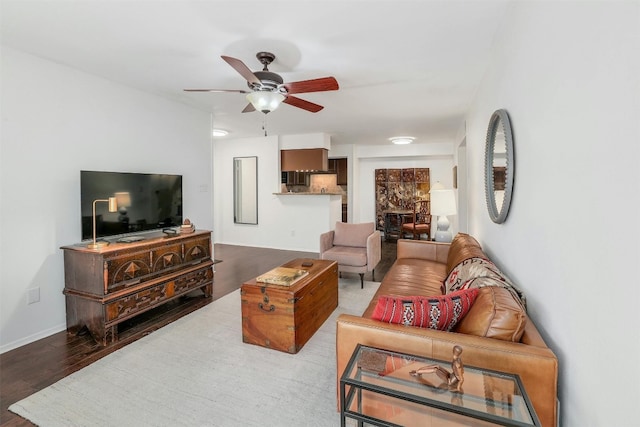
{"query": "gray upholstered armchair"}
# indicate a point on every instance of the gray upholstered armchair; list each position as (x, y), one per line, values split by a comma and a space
(356, 248)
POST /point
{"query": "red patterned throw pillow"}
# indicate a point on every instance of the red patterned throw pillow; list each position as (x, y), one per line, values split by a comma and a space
(436, 312)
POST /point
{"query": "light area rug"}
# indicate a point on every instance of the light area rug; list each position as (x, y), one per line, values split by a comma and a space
(197, 371)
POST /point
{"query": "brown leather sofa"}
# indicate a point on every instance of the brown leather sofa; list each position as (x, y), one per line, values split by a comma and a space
(495, 334)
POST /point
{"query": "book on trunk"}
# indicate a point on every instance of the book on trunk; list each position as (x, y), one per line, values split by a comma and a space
(282, 276)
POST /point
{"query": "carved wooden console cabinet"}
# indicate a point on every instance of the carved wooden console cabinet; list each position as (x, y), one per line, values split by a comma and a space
(107, 286)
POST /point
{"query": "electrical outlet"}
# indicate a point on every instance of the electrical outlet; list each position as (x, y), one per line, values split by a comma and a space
(33, 295)
(293, 233)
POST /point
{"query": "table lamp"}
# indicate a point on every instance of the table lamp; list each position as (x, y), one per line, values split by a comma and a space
(443, 203)
(113, 207)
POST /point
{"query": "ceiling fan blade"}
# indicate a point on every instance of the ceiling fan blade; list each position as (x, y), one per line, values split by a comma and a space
(314, 85)
(216, 90)
(301, 103)
(249, 108)
(241, 68)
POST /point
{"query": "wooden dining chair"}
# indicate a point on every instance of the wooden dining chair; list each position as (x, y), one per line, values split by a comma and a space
(419, 223)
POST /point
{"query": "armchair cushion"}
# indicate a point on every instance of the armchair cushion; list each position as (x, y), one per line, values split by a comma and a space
(347, 255)
(410, 226)
(347, 234)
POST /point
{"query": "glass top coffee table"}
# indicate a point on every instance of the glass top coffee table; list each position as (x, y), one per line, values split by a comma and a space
(377, 389)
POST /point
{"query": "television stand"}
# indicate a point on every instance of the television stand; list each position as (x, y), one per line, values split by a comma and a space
(106, 286)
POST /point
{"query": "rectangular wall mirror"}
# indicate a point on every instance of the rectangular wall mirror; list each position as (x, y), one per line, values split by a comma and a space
(245, 190)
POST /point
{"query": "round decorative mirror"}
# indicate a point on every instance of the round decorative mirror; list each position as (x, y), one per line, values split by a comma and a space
(499, 166)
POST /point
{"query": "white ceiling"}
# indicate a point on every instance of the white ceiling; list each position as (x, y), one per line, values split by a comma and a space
(404, 67)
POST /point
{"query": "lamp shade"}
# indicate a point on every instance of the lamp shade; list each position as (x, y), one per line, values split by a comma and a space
(113, 204)
(123, 198)
(265, 101)
(443, 201)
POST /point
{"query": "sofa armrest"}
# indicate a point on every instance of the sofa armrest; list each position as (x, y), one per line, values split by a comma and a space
(536, 366)
(326, 242)
(374, 250)
(423, 249)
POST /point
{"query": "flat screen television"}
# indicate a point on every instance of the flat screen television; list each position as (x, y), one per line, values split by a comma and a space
(146, 201)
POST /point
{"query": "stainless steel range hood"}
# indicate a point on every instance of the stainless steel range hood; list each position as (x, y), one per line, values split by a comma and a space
(306, 159)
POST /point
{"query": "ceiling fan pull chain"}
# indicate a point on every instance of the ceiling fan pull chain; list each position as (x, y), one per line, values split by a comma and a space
(264, 124)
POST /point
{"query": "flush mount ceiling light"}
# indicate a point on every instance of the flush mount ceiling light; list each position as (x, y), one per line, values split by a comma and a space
(220, 132)
(401, 140)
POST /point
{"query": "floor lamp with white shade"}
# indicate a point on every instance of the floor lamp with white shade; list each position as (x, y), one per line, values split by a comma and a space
(443, 203)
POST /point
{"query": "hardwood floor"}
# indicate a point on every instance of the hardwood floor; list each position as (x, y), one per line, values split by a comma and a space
(37, 365)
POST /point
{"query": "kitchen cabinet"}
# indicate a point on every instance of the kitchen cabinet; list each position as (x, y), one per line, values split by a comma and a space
(339, 167)
(298, 178)
(308, 159)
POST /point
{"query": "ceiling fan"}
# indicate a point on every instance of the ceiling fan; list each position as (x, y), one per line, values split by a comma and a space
(268, 90)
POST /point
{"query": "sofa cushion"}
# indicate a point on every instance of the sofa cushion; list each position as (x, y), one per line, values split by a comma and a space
(410, 277)
(494, 314)
(463, 247)
(436, 312)
(347, 234)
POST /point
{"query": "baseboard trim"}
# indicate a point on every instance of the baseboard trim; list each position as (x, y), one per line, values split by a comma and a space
(32, 338)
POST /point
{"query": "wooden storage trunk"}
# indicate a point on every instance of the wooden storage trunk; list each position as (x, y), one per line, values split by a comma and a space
(285, 317)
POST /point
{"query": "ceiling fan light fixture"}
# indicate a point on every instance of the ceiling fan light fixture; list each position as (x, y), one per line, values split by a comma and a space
(220, 132)
(402, 140)
(265, 101)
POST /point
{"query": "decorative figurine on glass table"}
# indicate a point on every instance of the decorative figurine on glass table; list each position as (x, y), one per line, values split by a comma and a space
(454, 379)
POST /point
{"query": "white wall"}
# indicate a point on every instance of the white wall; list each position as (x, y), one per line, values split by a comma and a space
(568, 74)
(284, 222)
(55, 122)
